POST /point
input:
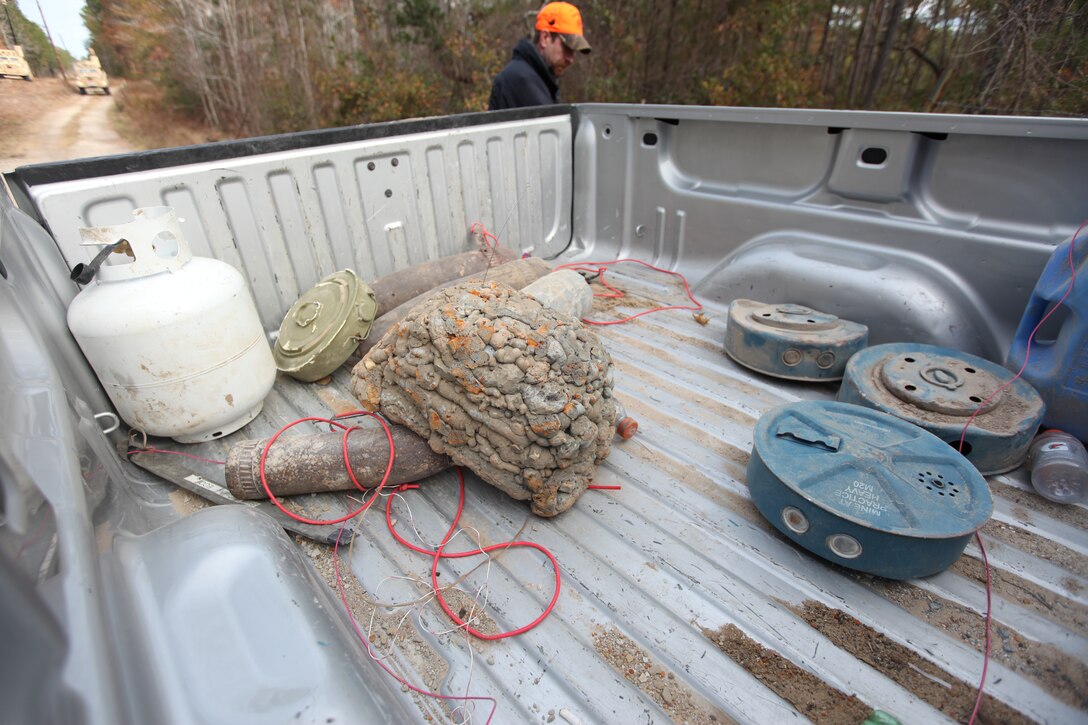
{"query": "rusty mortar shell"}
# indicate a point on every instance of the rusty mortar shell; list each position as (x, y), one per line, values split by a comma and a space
(314, 463)
(398, 287)
(518, 274)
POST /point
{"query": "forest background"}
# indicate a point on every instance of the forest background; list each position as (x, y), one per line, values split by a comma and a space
(254, 67)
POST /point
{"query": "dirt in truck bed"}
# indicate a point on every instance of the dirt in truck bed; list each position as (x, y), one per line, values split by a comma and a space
(929, 682)
(812, 697)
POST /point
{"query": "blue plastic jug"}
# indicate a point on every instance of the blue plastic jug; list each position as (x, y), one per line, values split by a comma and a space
(1058, 368)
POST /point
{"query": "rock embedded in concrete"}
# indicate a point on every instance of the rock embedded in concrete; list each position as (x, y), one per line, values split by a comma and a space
(517, 392)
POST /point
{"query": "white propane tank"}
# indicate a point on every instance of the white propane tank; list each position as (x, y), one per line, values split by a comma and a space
(175, 339)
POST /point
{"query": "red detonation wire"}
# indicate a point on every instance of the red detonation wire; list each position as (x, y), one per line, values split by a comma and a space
(478, 228)
(336, 548)
(347, 463)
(438, 554)
(336, 559)
(989, 608)
(599, 268)
(963, 436)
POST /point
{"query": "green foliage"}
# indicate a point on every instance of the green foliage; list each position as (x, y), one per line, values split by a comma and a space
(264, 66)
(418, 21)
(771, 69)
(179, 97)
(380, 94)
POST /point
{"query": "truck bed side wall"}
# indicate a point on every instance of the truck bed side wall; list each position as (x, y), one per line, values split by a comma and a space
(923, 227)
(926, 228)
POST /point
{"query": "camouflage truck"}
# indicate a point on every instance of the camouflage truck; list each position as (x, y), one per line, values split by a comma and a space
(13, 64)
(90, 76)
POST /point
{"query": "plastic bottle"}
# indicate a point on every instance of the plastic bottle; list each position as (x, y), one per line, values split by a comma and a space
(1059, 467)
(1058, 367)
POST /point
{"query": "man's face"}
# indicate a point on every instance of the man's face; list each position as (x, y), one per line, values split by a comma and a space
(556, 55)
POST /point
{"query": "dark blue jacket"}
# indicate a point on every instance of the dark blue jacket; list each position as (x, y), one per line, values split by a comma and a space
(525, 81)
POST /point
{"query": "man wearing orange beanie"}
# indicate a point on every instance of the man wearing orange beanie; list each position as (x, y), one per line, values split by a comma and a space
(531, 78)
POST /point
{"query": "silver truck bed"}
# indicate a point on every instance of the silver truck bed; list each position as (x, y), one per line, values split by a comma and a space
(679, 601)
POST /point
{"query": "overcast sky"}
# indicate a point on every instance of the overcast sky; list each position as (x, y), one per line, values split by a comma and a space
(64, 22)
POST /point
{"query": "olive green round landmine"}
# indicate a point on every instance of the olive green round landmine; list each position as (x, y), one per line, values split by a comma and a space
(517, 392)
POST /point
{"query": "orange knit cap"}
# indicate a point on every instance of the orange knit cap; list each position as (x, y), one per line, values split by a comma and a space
(564, 19)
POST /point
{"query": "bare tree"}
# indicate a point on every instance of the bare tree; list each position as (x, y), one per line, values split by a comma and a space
(885, 48)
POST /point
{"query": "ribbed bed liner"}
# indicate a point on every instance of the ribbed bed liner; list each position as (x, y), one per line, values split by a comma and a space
(679, 601)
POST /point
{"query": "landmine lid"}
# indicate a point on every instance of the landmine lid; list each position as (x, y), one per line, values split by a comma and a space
(939, 389)
(325, 325)
(865, 489)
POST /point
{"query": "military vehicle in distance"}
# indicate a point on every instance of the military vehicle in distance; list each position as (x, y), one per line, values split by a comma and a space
(90, 76)
(13, 64)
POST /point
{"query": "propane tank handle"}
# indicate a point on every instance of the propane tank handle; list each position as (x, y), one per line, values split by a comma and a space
(84, 273)
(155, 243)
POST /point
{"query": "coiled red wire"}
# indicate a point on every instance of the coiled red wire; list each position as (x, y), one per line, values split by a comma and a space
(439, 553)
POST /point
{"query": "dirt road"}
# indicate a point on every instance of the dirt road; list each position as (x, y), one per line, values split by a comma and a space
(46, 121)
